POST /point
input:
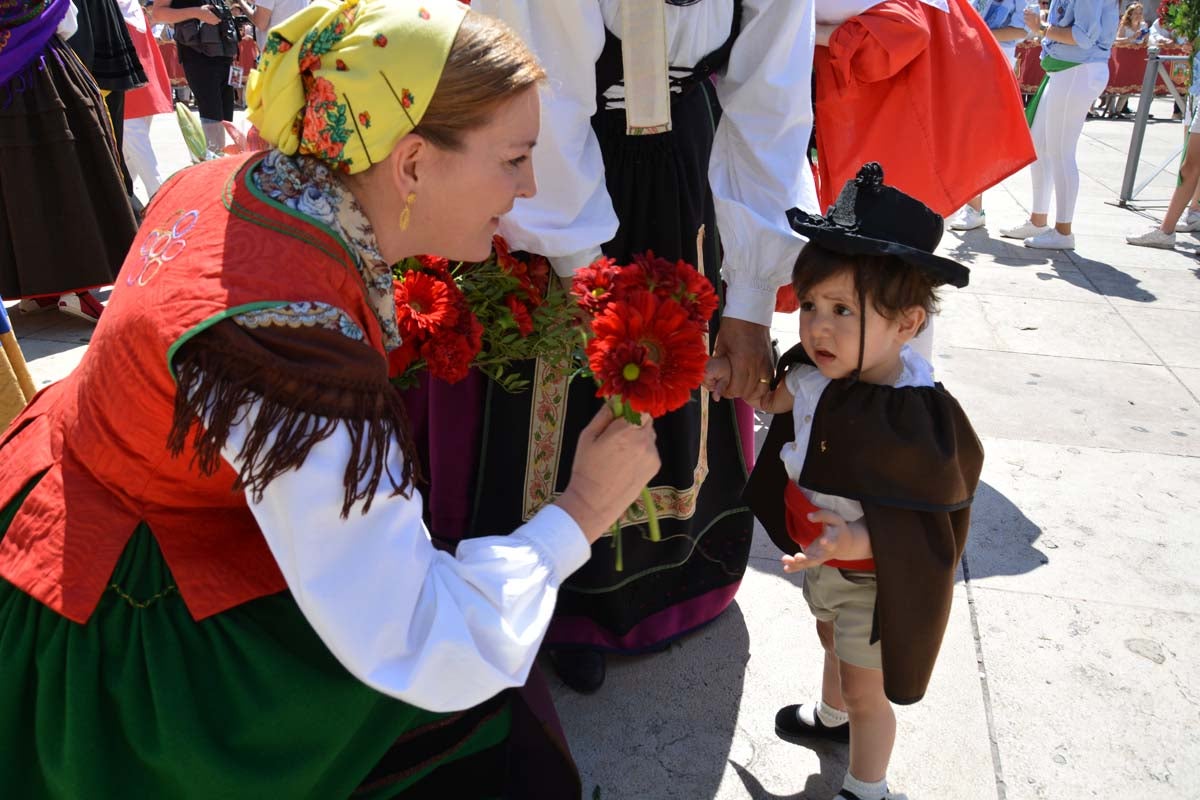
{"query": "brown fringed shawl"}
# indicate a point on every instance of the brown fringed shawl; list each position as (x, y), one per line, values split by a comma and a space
(306, 382)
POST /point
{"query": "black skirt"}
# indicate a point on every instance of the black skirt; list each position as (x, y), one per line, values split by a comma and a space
(65, 221)
(659, 188)
(102, 42)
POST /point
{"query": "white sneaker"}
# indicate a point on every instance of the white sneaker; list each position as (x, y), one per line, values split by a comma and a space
(1153, 238)
(1189, 223)
(1050, 239)
(967, 219)
(1024, 230)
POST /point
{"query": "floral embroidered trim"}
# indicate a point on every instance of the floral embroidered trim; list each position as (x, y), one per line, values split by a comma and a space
(548, 410)
(303, 315)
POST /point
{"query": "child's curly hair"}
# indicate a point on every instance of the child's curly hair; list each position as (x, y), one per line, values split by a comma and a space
(890, 284)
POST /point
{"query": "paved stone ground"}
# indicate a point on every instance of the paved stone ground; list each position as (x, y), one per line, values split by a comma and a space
(1065, 671)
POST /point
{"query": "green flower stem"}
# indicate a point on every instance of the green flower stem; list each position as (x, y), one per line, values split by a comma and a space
(651, 515)
(616, 543)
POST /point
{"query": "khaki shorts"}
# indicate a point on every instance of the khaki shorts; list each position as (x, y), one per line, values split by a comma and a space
(847, 599)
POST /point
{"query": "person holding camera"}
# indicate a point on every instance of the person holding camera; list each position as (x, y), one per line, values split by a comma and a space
(266, 13)
(207, 39)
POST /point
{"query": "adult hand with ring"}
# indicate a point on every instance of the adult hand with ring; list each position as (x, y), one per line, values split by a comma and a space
(747, 345)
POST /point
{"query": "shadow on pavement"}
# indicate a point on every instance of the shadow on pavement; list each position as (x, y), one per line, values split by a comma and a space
(1108, 281)
(1001, 539)
(834, 763)
(663, 724)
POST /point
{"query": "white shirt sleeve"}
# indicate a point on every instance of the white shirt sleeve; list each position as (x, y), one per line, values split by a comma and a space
(70, 23)
(572, 214)
(759, 168)
(440, 632)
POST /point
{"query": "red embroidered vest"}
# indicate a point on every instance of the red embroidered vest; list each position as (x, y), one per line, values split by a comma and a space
(211, 246)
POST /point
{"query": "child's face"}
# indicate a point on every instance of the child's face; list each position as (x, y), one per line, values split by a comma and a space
(829, 331)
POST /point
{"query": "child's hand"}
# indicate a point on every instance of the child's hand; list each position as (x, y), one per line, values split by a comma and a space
(841, 541)
(716, 375)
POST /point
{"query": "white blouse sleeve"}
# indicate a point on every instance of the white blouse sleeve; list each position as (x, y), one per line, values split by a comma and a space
(759, 168)
(571, 215)
(440, 632)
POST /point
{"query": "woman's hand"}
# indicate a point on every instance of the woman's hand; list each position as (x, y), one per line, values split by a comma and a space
(1033, 20)
(207, 15)
(613, 463)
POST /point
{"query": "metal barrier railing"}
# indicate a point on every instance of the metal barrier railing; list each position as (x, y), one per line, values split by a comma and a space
(1156, 65)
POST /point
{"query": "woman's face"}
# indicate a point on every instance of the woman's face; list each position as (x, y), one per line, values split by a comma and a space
(463, 193)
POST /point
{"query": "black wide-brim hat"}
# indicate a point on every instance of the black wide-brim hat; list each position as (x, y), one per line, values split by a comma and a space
(870, 218)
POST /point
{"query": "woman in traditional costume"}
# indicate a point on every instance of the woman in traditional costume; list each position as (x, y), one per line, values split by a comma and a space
(65, 219)
(645, 150)
(214, 577)
(1077, 39)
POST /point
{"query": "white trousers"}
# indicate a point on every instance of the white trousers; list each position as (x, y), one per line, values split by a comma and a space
(1056, 129)
(139, 154)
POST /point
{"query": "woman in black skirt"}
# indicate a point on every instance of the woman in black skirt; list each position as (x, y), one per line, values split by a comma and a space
(207, 39)
(65, 219)
(614, 178)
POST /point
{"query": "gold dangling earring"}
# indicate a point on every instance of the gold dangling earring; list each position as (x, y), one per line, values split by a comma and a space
(406, 214)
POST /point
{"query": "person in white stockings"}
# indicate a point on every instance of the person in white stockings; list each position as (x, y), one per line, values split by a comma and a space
(1077, 36)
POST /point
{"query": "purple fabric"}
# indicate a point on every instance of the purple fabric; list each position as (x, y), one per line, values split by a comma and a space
(447, 421)
(745, 422)
(651, 633)
(24, 41)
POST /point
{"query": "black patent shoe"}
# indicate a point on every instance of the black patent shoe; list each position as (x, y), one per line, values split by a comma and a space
(581, 670)
(790, 728)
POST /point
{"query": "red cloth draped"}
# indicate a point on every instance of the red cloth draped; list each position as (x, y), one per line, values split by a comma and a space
(155, 96)
(884, 92)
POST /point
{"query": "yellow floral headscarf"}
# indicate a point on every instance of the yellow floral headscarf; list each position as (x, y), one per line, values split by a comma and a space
(344, 81)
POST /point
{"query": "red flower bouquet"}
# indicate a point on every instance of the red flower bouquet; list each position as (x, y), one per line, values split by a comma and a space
(455, 317)
(647, 342)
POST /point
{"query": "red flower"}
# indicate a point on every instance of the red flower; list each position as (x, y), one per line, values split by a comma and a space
(539, 275)
(424, 304)
(380, 40)
(400, 359)
(449, 353)
(520, 315)
(593, 285)
(648, 271)
(648, 351)
(435, 264)
(449, 357)
(533, 274)
(695, 293)
(341, 65)
(284, 45)
(364, 119)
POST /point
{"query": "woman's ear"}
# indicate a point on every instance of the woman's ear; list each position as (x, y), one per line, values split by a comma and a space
(911, 320)
(408, 162)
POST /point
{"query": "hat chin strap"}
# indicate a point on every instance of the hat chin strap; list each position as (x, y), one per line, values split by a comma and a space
(862, 333)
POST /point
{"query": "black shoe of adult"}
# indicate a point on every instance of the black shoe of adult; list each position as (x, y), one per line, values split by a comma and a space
(581, 670)
(790, 728)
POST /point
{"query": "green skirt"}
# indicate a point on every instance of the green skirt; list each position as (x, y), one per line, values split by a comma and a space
(143, 701)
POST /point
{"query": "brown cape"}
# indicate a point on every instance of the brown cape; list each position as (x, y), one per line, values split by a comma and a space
(911, 458)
